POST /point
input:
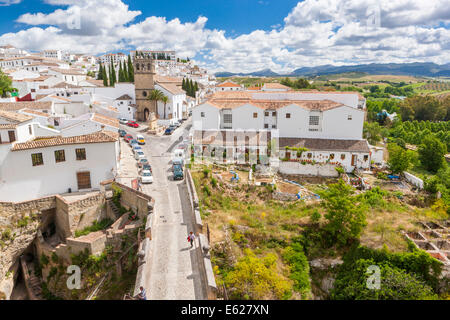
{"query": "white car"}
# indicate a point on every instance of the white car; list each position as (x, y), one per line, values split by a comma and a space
(139, 155)
(146, 177)
(123, 121)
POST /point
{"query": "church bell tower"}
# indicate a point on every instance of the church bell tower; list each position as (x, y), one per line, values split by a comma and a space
(144, 82)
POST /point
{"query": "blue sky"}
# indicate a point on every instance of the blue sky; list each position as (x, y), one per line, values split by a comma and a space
(238, 35)
(234, 16)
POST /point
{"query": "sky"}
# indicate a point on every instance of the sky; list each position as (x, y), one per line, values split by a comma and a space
(237, 35)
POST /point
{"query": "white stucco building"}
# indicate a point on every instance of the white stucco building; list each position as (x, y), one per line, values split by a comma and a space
(328, 125)
(32, 167)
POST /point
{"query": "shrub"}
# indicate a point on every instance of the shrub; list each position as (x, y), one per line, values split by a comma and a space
(257, 278)
(299, 267)
(214, 182)
(96, 226)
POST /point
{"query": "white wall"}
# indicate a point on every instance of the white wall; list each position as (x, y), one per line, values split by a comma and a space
(20, 181)
(326, 170)
(243, 117)
(211, 121)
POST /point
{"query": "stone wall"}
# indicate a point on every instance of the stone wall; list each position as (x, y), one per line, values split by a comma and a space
(415, 181)
(135, 200)
(296, 168)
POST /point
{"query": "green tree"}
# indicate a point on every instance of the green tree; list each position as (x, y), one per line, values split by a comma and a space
(399, 158)
(183, 85)
(104, 76)
(121, 79)
(155, 96)
(5, 84)
(165, 100)
(345, 219)
(395, 284)
(431, 153)
(100, 73)
(130, 70)
(372, 132)
(113, 72)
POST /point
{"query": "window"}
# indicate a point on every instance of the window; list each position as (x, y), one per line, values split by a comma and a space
(202, 114)
(274, 126)
(266, 126)
(288, 115)
(81, 154)
(255, 115)
(342, 156)
(266, 114)
(332, 156)
(227, 118)
(314, 120)
(144, 93)
(309, 155)
(37, 159)
(349, 117)
(60, 156)
(366, 157)
(274, 114)
(30, 130)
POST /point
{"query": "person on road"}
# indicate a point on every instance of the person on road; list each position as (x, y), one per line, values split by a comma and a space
(142, 295)
(191, 238)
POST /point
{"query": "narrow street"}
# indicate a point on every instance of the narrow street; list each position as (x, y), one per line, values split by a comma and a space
(172, 265)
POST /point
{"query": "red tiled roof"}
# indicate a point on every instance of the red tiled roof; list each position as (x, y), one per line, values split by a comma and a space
(228, 84)
(97, 137)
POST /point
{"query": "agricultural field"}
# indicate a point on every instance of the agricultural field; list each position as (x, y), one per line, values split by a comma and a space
(290, 243)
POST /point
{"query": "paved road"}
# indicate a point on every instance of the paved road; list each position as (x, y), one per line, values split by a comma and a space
(173, 266)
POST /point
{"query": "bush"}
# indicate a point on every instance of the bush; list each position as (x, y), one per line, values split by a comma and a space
(299, 266)
(254, 278)
(214, 182)
(431, 153)
(96, 226)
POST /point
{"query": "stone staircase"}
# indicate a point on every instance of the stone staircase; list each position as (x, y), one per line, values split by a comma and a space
(32, 282)
(114, 209)
(36, 286)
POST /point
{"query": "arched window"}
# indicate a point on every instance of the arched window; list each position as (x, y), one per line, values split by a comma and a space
(137, 66)
(144, 93)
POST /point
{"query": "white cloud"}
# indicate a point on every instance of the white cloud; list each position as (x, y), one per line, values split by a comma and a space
(315, 32)
(5, 3)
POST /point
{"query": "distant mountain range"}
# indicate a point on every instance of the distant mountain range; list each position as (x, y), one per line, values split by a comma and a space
(425, 69)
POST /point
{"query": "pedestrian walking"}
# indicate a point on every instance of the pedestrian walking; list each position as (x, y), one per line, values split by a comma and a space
(191, 238)
(139, 186)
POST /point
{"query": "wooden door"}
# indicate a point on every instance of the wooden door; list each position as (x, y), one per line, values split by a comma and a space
(12, 136)
(354, 158)
(288, 155)
(84, 180)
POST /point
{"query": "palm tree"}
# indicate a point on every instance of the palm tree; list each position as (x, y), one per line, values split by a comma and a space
(165, 100)
(157, 95)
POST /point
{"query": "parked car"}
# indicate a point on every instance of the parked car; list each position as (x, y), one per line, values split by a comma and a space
(140, 139)
(177, 124)
(122, 133)
(169, 131)
(178, 174)
(147, 167)
(142, 162)
(128, 138)
(133, 142)
(178, 162)
(139, 155)
(146, 177)
(123, 121)
(176, 167)
(133, 124)
(136, 148)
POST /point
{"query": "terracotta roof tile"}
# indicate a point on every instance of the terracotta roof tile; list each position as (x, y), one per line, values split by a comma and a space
(97, 137)
(275, 85)
(35, 112)
(325, 144)
(15, 117)
(35, 105)
(97, 117)
(228, 84)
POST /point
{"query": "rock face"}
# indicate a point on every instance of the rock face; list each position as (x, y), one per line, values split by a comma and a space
(324, 273)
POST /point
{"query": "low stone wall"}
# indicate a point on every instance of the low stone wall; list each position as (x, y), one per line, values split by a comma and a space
(415, 181)
(296, 168)
(206, 270)
(203, 255)
(193, 199)
(284, 196)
